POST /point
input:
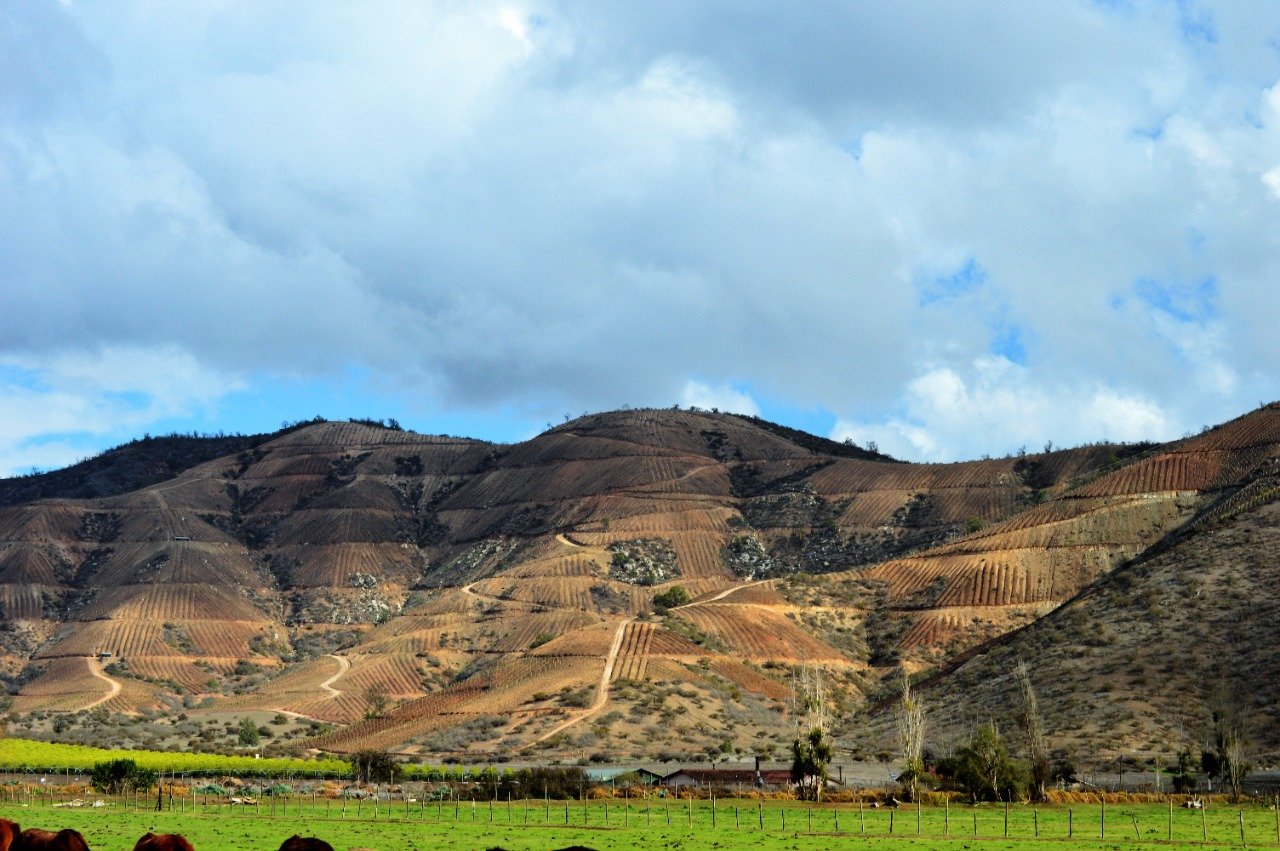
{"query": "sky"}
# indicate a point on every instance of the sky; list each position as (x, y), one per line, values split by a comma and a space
(951, 227)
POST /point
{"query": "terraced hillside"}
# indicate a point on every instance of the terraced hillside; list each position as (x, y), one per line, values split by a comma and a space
(449, 595)
(1140, 661)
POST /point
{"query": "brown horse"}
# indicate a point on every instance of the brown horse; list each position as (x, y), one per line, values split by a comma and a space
(8, 833)
(35, 839)
(163, 842)
(298, 843)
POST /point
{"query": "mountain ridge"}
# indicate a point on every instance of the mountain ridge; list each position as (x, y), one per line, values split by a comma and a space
(467, 583)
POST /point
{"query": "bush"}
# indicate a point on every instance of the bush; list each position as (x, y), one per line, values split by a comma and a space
(674, 596)
(118, 776)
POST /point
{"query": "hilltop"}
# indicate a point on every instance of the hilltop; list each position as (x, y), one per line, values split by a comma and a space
(484, 598)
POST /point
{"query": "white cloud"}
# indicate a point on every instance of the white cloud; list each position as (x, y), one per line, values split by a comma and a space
(993, 406)
(55, 412)
(721, 397)
(545, 206)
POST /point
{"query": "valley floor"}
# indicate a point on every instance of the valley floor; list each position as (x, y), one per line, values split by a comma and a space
(671, 823)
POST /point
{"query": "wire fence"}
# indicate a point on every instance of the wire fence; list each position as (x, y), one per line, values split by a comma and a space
(643, 808)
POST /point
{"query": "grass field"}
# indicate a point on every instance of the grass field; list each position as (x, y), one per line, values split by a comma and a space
(665, 823)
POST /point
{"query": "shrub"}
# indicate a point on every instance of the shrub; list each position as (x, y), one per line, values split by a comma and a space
(674, 596)
(117, 776)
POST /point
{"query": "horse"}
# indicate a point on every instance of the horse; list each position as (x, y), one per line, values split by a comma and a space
(310, 843)
(8, 833)
(163, 842)
(35, 839)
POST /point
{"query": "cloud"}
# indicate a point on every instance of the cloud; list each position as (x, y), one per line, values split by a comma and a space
(60, 410)
(723, 397)
(993, 406)
(546, 206)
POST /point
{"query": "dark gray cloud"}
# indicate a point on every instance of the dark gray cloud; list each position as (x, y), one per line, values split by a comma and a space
(564, 206)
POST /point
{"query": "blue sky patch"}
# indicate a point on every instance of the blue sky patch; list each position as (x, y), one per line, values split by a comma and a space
(1010, 343)
(1193, 303)
(969, 278)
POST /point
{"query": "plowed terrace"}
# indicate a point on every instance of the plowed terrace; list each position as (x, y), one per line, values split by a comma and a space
(485, 598)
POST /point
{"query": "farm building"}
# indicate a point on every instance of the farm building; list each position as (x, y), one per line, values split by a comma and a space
(728, 777)
(620, 775)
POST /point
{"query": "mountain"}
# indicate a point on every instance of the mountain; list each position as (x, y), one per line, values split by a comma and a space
(486, 598)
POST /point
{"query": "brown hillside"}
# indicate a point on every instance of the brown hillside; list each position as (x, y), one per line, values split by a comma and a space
(1137, 661)
(501, 598)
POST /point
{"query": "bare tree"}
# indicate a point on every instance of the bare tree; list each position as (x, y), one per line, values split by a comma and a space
(911, 717)
(811, 749)
(1033, 728)
(1231, 745)
(378, 700)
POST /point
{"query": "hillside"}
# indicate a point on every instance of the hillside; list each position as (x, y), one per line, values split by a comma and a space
(491, 598)
(1138, 662)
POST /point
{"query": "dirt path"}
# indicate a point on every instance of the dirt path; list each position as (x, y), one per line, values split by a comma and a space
(344, 665)
(563, 540)
(602, 690)
(720, 596)
(95, 668)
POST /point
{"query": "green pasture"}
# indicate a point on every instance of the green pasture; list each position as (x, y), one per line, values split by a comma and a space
(653, 823)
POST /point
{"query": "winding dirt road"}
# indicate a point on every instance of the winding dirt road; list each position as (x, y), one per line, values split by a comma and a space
(344, 665)
(720, 596)
(95, 668)
(602, 689)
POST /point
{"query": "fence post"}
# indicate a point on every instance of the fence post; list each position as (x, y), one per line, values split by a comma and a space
(1006, 816)
(760, 813)
(1137, 834)
(1204, 823)
(946, 826)
(862, 818)
(1103, 800)
(1071, 823)
(1242, 842)
(919, 817)
(1169, 835)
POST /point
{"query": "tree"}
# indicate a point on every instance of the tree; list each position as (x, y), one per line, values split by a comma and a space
(983, 768)
(1033, 729)
(810, 756)
(378, 699)
(117, 776)
(1227, 755)
(910, 738)
(674, 596)
(1184, 779)
(247, 734)
(375, 767)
